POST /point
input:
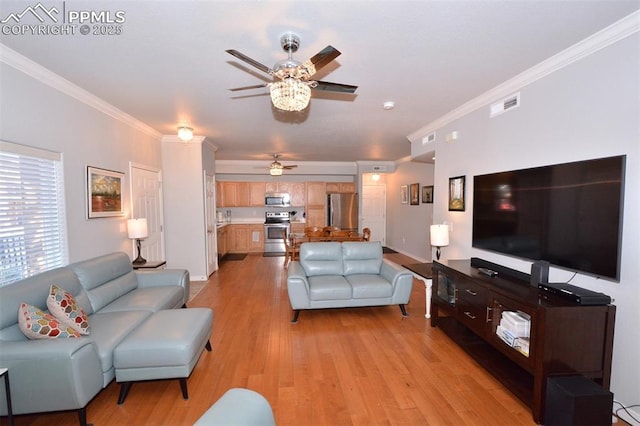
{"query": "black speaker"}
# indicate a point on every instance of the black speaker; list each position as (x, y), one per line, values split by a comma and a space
(539, 272)
(577, 401)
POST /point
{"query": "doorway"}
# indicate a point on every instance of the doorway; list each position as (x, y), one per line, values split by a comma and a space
(146, 202)
(374, 207)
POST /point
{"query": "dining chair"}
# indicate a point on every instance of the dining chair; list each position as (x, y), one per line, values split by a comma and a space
(366, 234)
(291, 252)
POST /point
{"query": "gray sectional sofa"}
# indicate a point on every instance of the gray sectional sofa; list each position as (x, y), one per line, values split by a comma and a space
(66, 373)
(348, 274)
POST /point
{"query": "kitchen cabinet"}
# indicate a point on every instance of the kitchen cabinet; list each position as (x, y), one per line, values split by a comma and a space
(475, 311)
(316, 216)
(238, 238)
(223, 243)
(256, 194)
(235, 194)
(246, 238)
(316, 194)
(341, 187)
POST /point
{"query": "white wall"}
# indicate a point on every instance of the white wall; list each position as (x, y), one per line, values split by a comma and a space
(37, 115)
(184, 165)
(589, 109)
(407, 225)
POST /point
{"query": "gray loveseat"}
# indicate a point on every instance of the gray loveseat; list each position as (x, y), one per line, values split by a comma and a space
(66, 373)
(348, 274)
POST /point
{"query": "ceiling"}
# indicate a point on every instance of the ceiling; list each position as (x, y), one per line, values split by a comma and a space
(169, 66)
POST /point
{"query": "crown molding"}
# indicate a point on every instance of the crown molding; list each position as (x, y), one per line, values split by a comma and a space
(615, 32)
(51, 79)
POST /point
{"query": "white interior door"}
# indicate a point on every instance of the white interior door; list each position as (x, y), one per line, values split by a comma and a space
(210, 215)
(146, 201)
(374, 211)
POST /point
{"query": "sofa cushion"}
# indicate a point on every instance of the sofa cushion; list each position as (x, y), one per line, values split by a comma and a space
(362, 257)
(106, 278)
(150, 299)
(37, 324)
(323, 258)
(368, 286)
(64, 307)
(329, 287)
(109, 329)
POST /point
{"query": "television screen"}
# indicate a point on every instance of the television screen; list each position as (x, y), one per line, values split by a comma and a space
(567, 214)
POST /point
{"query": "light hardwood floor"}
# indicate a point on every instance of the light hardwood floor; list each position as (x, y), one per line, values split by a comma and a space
(361, 366)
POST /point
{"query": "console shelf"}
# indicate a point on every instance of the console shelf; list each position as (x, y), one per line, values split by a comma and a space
(468, 307)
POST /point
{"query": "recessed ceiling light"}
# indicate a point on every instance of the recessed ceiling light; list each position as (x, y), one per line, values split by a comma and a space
(389, 105)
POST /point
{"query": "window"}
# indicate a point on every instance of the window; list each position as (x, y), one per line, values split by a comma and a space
(33, 235)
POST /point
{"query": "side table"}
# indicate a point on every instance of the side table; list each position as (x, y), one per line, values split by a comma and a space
(422, 272)
(4, 372)
(152, 264)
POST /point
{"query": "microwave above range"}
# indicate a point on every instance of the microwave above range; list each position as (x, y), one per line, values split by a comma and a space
(277, 199)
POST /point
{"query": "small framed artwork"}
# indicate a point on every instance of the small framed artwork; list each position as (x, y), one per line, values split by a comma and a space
(427, 194)
(404, 194)
(456, 194)
(414, 193)
(104, 193)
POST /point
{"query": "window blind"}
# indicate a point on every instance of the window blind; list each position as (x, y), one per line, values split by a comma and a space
(33, 235)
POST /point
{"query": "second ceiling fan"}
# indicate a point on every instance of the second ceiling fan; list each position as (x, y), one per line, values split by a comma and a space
(291, 88)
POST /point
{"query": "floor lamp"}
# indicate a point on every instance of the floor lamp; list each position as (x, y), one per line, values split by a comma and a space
(439, 237)
(137, 230)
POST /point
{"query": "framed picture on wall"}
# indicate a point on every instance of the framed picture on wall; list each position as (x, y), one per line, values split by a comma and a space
(104, 193)
(456, 194)
(404, 194)
(414, 194)
(427, 194)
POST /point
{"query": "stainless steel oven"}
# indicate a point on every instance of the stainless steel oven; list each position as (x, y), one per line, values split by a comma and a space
(274, 223)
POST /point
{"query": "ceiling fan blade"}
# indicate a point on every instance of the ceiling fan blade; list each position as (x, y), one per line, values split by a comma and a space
(335, 87)
(323, 57)
(293, 166)
(255, 86)
(248, 60)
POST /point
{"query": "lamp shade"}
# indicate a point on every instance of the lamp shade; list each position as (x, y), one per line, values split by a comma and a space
(439, 235)
(137, 228)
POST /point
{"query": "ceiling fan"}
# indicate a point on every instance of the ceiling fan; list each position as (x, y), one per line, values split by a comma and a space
(292, 84)
(276, 168)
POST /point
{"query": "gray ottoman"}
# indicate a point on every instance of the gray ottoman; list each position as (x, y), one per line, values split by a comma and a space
(166, 346)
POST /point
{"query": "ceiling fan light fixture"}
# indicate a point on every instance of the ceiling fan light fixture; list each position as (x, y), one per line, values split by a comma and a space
(275, 171)
(185, 134)
(290, 94)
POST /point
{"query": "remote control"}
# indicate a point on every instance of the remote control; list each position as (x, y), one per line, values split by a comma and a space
(487, 272)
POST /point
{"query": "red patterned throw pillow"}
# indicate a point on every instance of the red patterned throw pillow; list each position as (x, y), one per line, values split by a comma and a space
(64, 307)
(37, 324)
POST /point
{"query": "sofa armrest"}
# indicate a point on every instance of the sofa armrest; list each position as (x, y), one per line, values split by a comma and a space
(400, 278)
(164, 277)
(51, 375)
(298, 286)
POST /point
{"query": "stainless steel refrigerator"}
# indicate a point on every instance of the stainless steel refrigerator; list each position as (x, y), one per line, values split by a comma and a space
(342, 211)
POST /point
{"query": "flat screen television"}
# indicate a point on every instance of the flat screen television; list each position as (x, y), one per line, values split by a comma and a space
(567, 214)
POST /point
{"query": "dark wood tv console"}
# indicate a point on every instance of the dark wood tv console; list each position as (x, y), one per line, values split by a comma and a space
(565, 338)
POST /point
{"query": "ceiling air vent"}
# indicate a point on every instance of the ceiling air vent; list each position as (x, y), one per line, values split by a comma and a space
(431, 137)
(379, 168)
(504, 105)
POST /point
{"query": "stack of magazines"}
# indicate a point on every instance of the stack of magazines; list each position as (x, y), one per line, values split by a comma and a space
(514, 330)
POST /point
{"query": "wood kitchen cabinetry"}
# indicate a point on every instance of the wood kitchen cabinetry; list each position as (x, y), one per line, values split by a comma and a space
(316, 201)
(223, 241)
(246, 238)
(240, 194)
(341, 187)
(564, 338)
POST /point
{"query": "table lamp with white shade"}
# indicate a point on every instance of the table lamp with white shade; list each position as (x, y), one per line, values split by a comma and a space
(439, 237)
(137, 230)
